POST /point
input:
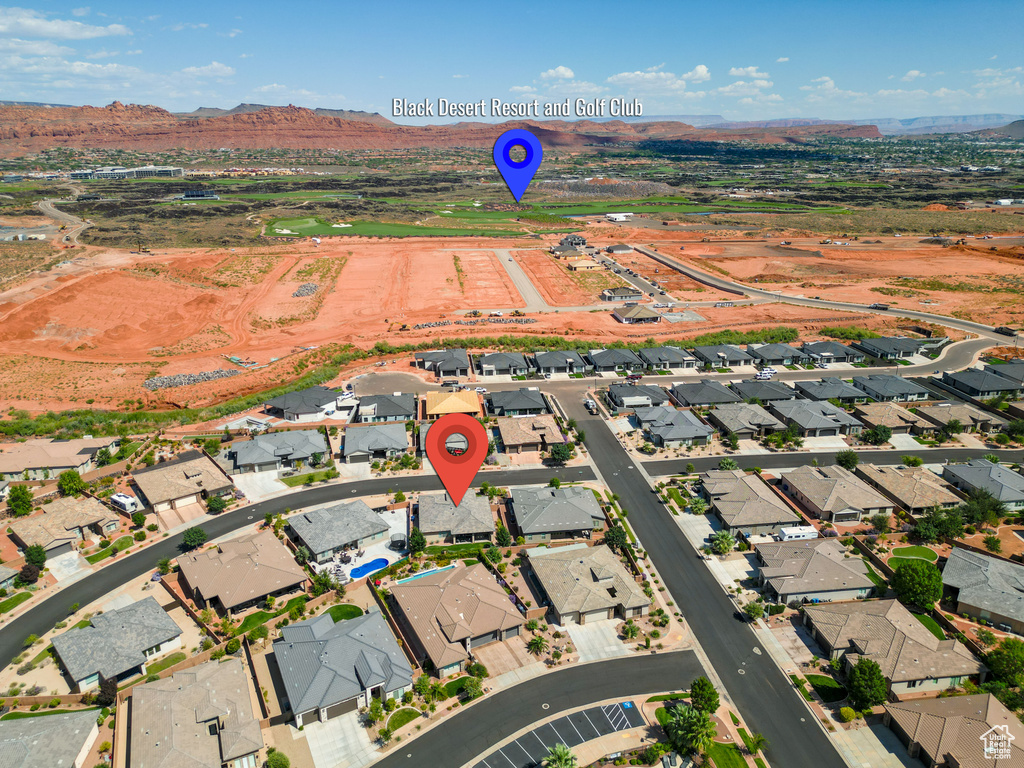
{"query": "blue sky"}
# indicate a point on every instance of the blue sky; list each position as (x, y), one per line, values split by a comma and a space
(745, 61)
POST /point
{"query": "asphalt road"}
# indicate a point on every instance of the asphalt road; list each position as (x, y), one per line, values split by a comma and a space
(468, 735)
(44, 616)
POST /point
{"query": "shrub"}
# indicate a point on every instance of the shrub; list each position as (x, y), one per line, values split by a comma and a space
(54, 703)
(233, 645)
(152, 527)
(139, 535)
(104, 543)
(218, 654)
(847, 714)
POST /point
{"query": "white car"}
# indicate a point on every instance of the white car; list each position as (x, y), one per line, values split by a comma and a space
(481, 390)
(547, 375)
(821, 365)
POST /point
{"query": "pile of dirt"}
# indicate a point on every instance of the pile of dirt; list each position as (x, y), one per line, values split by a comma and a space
(936, 207)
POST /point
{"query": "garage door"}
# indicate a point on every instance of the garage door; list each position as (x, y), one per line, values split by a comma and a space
(62, 549)
(828, 433)
(340, 709)
(590, 616)
(490, 637)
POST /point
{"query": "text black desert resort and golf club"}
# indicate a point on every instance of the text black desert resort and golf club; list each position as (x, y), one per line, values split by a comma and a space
(617, 107)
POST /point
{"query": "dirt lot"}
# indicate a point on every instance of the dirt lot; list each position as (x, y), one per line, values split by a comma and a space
(559, 286)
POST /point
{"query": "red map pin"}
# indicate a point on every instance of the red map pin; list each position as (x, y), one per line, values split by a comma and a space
(456, 471)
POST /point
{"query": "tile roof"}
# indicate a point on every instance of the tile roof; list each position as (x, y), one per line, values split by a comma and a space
(741, 499)
(51, 454)
(677, 425)
(582, 578)
(812, 414)
(115, 641)
(740, 417)
(890, 415)
(529, 430)
(389, 436)
(190, 473)
(447, 608)
(463, 401)
(968, 416)
(437, 514)
(60, 520)
(54, 741)
(834, 489)
(241, 570)
(1004, 484)
(952, 729)
(335, 526)
(517, 400)
(704, 392)
(171, 718)
(889, 634)
(305, 401)
(818, 565)
(829, 388)
(988, 583)
(911, 487)
(291, 445)
(324, 663)
(402, 404)
(546, 510)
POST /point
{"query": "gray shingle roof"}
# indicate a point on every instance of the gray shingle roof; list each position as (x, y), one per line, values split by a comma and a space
(983, 381)
(657, 356)
(829, 388)
(1014, 371)
(704, 392)
(602, 357)
(325, 529)
(115, 641)
(438, 514)
(444, 359)
(305, 401)
(502, 361)
(559, 359)
(654, 393)
(400, 404)
(517, 400)
(546, 510)
(774, 351)
(670, 424)
(324, 663)
(763, 390)
(715, 353)
(886, 385)
(988, 583)
(1005, 484)
(390, 436)
(830, 350)
(889, 345)
(54, 741)
(813, 414)
(293, 445)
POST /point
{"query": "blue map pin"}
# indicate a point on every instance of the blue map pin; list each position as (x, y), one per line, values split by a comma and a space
(518, 175)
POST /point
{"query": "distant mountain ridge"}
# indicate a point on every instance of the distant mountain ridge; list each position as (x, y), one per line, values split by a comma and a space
(888, 126)
(242, 109)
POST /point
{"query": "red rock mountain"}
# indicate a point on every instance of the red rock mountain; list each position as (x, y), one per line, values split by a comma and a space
(26, 129)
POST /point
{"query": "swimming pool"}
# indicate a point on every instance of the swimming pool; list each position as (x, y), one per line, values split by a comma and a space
(370, 567)
(426, 573)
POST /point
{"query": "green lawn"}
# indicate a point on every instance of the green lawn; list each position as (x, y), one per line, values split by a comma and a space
(662, 714)
(878, 580)
(669, 697)
(170, 661)
(455, 549)
(402, 717)
(296, 480)
(916, 551)
(121, 544)
(14, 601)
(726, 756)
(896, 562)
(21, 715)
(344, 611)
(829, 690)
(455, 686)
(262, 617)
(932, 624)
(802, 686)
(310, 226)
(676, 496)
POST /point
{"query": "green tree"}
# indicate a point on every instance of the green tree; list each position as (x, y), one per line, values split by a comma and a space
(728, 464)
(866, 684)
(19, 500)
(278, 760)
(212, 446)
(70, 483)
(36, 555)
(216, 505)
(733, 440)
(1007, 662)
(560, 453)
(722, 542)
(918, 582)
(1015, 429)
(103, 457)
(384, 735)
(417, 541)
(559, 756)
(472, 688)
(494, 555)
(848, 459)
(323, 582)
(703, 695)
(698, 506)
(316, 459)
(616, 538)
(756, 742)
(302, 554)
(554, 482)
(399, 497)
(537, 645)
(138, 519)
(690, 469)
(877, 435)
(689, 730)
(880, 522)
(193, 537)
(259, 633)
(982, 508)
(630, 631)
(937, 524)
(754, 610)
(374, 712)
(502, 536)
(422, 685)
(993, 544)
(912, 461)
(164, 565)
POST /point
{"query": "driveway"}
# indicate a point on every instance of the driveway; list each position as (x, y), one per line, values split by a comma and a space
(68, 566)
(874, 747)
(904, 443)
(597, 640)
(825, 443)
(797, 642)
(340, 743)
(258, 486)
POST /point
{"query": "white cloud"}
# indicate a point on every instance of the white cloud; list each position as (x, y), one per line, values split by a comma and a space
(913, 75)
(213, 69)
(764, 98)
(101, 54)
(84, 11)
(782, 59)
(186, 25)
(656, 67)
(522, 89)
(748, 72)
(136, 52)
(825, 89)
(271, 88)
(33, 47)
(744, 88)
(246, 55)
(28, 23)
(575, 89)
(232, 33)
(460, 77)
(654, 82)
(558, 73)
(698, 74)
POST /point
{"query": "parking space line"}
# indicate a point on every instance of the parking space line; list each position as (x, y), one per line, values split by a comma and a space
(542, 744)
(596, 729)
(575, 729)
(560, 739)
(514, 765)
(516, 742)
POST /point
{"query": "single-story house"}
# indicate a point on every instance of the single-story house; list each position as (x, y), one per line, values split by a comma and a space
(747, 421)
(438, 404)
(986, 587)
(889, 347)
(622, 293)
(982, 475)
(441, 522)
(239, 573)
(63, 523)
(745, 504)
(202, 717)
(584, 265)
(7, 577)
(517, 402)
(815, 418)
(831, 388)
(444, 362)
(325, 532)
(117, 644)
(723, 356)
(915, 489)
(833, 493)
(40, 459)
(186, 479)
(960, 731)
(667, 427)
(502, 364)
(332, 668)
(558, 250)
(913, 660)
(311, 404)
(447, 614)
(560, 362)
(1012, 370)
(764, 391)
(982, 384)
(62, 740)
(528, 433)
(276, 450)
(817, 570)
(619, 248)
(565, 253)
(667, 358)
(550, 514)
(897, 418)
(971, 419)
(615, 360)
(831, 352)
(776, 354)
(585, 584)
(635, 314)
(372, 442)
(703, 392)
(636, 395)
(887, 388)
(377, 409)
(573, 240)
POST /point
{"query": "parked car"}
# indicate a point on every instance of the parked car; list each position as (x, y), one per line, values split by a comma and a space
(481, 390)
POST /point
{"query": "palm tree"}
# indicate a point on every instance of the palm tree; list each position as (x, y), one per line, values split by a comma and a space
(722, 542)
(560, 756)
(756, 742)
(690, 730)
(630, 631)
(537, 645)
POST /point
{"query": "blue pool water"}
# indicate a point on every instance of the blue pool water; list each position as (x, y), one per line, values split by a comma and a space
(426, 573)
(370, 567)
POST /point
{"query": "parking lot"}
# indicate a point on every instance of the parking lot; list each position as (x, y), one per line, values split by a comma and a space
(572, 730)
